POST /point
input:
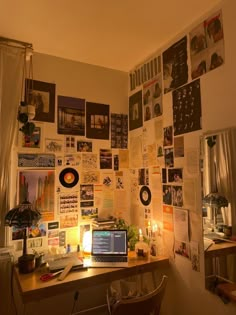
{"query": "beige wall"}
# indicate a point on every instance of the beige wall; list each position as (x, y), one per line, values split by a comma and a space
(218, 94)
(75, 79)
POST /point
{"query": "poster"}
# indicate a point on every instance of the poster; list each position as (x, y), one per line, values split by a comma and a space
(175, 67)
(119, 131)
(97, 121)
(37, 186)
(187, 110)
(71, 116)
(207, 45)
(135, 111)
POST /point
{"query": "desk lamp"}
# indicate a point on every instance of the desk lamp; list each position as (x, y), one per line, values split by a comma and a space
(23, 216)
(215, 201)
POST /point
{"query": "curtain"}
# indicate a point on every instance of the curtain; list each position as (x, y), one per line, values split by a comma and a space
(11, 76)
(220, 175)
(226, 170)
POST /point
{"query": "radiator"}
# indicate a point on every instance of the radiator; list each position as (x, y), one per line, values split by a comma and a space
(6, 261)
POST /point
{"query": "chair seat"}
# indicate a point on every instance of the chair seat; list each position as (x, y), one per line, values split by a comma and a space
(148, 304)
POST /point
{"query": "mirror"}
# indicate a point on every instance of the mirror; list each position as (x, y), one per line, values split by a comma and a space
(219, 210)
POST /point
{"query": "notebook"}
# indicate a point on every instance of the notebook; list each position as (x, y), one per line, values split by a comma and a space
(109, 248)
(61, 262)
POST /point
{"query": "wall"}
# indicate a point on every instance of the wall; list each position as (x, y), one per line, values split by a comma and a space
(218, 111)
(74, 79)
(218, 93)
(95, 84)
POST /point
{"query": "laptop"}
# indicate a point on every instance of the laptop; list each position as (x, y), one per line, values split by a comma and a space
(109, 248)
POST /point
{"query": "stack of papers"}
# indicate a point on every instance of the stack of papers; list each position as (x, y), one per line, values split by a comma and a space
(207, 243)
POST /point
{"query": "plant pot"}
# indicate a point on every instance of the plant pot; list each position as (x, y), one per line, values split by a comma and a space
(26, 263)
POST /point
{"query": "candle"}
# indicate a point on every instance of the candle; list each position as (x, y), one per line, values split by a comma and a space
(149, 229)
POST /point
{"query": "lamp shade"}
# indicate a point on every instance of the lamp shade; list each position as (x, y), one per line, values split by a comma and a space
(22, 216)
(214, 199)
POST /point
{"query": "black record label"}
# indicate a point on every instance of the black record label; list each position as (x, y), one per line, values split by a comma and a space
(145, 195)
(69, 177)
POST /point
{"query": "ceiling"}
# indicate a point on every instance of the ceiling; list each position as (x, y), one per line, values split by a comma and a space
(116, 34)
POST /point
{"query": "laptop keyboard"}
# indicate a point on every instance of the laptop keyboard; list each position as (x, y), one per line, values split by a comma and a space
(109, 259)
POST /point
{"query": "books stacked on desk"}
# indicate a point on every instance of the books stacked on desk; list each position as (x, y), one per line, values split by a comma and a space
(103, 223)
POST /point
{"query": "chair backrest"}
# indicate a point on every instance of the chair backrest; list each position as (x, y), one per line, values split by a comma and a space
(142, 305)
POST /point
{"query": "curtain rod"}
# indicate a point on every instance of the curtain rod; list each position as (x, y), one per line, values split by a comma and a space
(18, 42)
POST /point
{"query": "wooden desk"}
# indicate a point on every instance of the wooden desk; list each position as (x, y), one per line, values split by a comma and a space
(216, 267)
(32, 288)
(221, 249)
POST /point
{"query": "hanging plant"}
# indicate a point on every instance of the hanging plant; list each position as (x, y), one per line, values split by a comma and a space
(28, 128)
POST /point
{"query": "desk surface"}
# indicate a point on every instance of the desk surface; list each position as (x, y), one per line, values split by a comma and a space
(221, 249)
(32, 288)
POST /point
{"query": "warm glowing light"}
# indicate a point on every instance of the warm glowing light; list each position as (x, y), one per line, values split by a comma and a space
(87, 243)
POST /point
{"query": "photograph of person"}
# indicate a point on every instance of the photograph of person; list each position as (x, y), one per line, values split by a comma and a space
(216, 61)
(199, 69)
(175, 175)
(168, 136)
(135, 110)
(147, 113)
(169, 157)
(214, 29)
(167, 196)
(197, 39)
(177, 196)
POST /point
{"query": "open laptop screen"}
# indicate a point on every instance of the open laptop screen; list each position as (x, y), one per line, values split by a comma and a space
(109, 242)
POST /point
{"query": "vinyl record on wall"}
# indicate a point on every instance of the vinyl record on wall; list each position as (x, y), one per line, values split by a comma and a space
(145, 195)
(69, 177)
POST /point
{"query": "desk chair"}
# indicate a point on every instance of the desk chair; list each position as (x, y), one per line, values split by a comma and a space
(148, 304)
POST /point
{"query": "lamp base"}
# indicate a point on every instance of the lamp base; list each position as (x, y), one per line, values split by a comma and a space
(26, 263)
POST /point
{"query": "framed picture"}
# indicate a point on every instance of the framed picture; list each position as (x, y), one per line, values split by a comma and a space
(71, 116)
(135, 111)
(42, 94)
(97, 121)
(33, 140)
(37, 186)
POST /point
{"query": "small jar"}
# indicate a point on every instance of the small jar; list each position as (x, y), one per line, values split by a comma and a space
(227, 231)
(141, 249)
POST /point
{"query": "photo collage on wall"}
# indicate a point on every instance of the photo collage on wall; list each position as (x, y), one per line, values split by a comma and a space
(207, 45)
(197, 53)
(68, 165)
(172, 178)
(71, 158)
(175, 66)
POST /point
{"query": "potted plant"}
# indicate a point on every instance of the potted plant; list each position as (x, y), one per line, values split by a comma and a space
(132, 233)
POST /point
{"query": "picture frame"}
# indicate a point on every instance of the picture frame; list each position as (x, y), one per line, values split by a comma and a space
(33, 142)
(135, 111)
(42, 94)
(71, 116)
(97, 121)
(29, 181)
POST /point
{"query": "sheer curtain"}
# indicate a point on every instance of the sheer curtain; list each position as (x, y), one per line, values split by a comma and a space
(226, 169)
(225, 158)
(11, 72)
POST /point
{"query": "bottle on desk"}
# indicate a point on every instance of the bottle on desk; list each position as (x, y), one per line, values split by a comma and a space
(141, 248)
